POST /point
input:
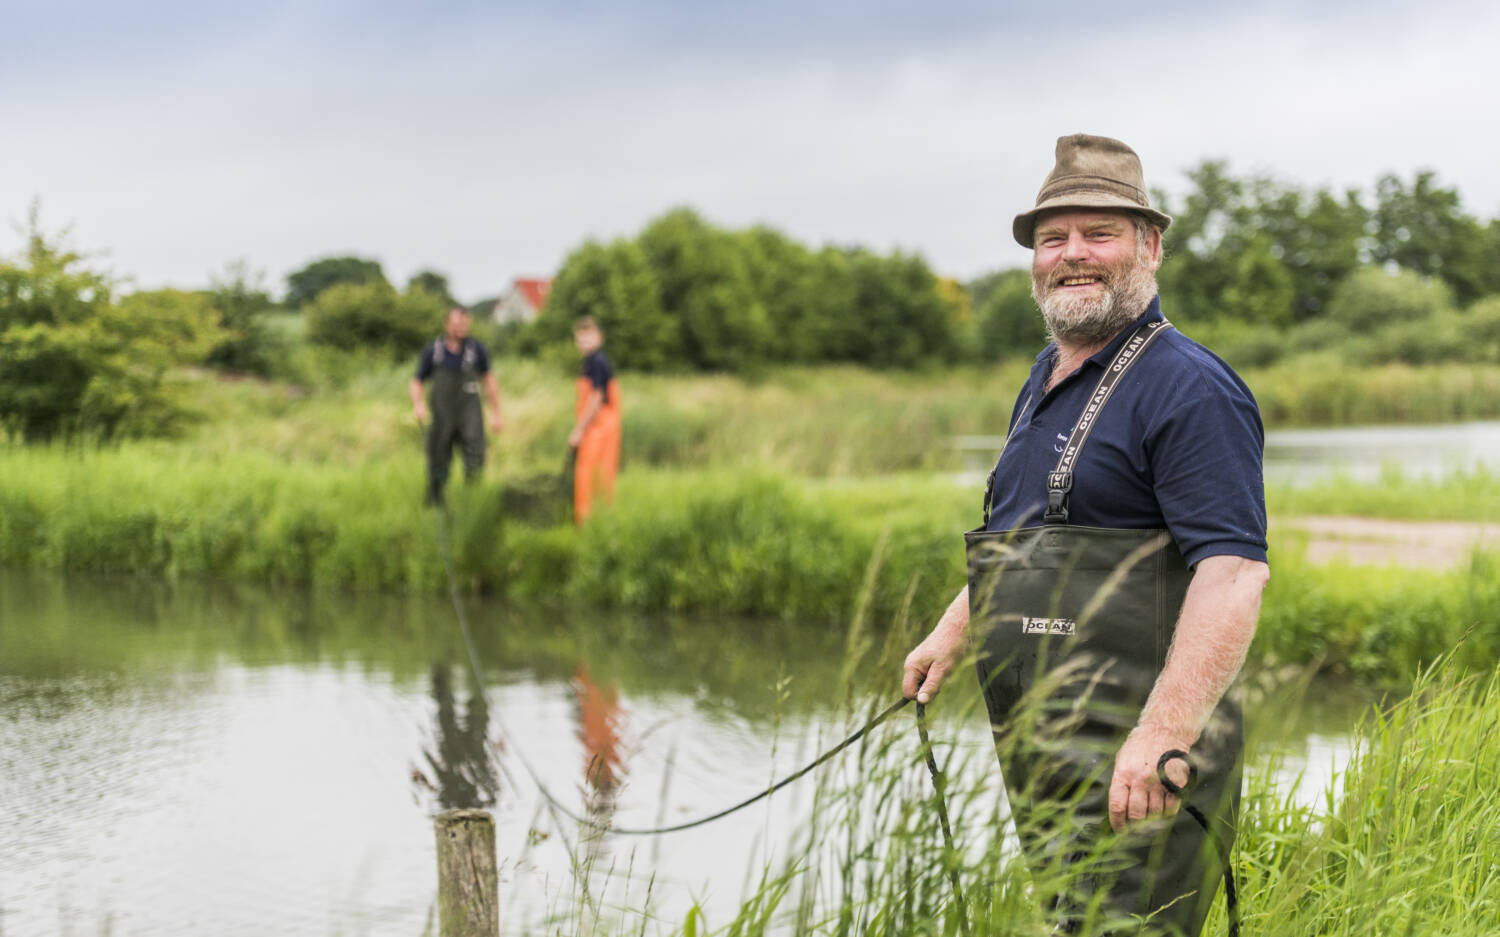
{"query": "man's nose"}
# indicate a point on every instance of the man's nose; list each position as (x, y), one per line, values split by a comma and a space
(1077, 247)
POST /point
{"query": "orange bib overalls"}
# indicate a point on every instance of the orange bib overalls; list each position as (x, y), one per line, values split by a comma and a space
(599, 450)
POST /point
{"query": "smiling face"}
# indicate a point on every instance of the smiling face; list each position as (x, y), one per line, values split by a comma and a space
(1092, 273)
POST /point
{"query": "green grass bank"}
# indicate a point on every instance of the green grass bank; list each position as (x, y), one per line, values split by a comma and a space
(818, 422)
(818, 552)
(1402, 844)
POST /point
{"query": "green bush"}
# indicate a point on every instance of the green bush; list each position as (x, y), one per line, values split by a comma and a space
(1432, 340)
(1371, 298)
(305, 285)
(351, 316)
(1241, 344)
(1317, 335)
(250, 342)
(613, 284)
(73, 361)
(1478, 330)
(1009, 322)
(685, 294)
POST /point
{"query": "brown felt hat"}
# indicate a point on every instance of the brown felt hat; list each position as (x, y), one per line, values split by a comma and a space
(1091, 172)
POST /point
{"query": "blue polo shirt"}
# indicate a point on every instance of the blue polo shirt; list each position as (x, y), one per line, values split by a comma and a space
(1178, 446)
(599, 371)
(436, 355)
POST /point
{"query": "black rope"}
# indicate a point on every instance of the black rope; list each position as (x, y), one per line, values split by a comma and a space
(1231, 901)
(951, 860)
(850, 740)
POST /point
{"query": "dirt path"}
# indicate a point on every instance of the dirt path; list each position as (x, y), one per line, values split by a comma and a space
(1370, 541)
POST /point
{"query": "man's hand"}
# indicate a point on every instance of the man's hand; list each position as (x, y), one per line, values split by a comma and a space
(1135, 793)
(419, 410)
(497, 422)
(930, 663)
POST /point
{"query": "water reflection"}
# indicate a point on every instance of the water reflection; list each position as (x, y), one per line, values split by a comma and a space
(600, 722)
(464, 760)
(208, 759)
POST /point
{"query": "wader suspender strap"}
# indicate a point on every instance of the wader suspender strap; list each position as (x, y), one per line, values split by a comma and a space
(440, 348)
(1060, 481)
(989, 483)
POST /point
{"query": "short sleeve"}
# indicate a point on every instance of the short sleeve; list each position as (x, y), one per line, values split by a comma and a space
(598, 371)
(481, 357)
(1206, 458)
(424, 363)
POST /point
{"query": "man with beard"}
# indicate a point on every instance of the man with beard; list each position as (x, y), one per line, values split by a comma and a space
(1115, 583)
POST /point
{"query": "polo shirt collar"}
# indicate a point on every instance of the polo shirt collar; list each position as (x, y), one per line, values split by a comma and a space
(1103, 356)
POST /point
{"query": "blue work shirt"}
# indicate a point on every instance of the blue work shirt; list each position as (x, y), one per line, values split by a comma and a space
(436, 355)
(1178, 446)
(599, 371)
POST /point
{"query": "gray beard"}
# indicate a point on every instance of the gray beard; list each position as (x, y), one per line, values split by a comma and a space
(1094, 320)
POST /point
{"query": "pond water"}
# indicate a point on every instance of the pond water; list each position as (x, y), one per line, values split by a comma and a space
(1364, 453)
(213, 759)
(1307, 456)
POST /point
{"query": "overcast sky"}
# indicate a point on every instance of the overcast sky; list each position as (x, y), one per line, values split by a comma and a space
(486, 140)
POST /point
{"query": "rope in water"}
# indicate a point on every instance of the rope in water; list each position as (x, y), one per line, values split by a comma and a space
(861, 732)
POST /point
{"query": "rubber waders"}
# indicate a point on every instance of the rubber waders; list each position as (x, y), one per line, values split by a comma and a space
(457, 417)
(1075, 623)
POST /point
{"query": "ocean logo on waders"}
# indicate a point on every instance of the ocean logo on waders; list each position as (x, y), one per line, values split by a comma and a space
(1031, 625)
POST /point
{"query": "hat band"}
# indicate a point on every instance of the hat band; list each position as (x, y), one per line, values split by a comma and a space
(1092, 183)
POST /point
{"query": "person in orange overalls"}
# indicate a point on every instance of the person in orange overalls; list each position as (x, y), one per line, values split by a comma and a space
(596, 427)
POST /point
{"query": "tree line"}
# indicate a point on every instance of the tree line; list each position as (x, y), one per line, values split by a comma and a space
(685, 294)
(80, 356)
(1261, 268)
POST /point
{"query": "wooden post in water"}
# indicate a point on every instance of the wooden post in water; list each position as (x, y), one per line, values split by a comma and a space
(468, 882)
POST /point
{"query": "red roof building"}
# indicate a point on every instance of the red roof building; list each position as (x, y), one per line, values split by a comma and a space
(524, 300)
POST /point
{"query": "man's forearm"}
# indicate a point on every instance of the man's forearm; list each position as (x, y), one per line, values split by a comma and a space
(956, 617)
(1213, 634)
(414, 389)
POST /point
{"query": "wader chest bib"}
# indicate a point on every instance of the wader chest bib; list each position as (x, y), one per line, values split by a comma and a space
(457, 417)
(1075, 624)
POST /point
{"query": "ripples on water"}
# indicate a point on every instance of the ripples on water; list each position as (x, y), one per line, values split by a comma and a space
(190, 762)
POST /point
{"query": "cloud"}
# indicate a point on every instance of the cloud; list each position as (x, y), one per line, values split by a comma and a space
(486, 142)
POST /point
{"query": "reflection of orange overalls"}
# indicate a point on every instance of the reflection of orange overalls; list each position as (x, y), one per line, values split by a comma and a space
(599, 718)
(599, 450)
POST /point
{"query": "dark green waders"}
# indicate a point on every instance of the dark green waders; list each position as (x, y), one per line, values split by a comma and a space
(1075, 624)
(457, 417)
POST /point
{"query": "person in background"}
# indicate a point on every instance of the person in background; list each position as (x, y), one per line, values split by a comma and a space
(458, 366)
(596, 426)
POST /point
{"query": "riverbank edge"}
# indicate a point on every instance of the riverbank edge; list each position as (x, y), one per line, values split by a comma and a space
(822, 553)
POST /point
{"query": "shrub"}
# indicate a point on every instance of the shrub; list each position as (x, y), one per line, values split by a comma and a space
(1371, 298)
(373, 316)
(72, 361)
(1479, 329)
(1008, 319)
